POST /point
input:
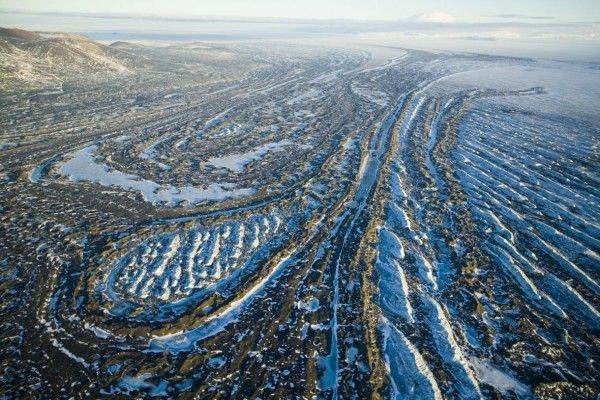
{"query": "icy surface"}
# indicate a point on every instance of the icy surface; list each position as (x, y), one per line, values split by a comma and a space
(237, 162)
(82, 166)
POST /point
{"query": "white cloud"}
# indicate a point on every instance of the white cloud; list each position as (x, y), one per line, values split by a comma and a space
(436, 17)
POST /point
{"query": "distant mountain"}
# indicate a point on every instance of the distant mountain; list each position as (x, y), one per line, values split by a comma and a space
(15, 33)
(31, 60)
(124, 45)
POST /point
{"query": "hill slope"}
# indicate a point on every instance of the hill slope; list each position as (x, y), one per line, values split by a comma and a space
(32, 60)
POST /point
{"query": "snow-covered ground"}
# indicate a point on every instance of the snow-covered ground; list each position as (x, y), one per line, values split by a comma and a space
(82, 166)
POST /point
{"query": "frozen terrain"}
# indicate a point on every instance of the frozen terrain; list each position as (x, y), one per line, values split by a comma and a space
(200, 220)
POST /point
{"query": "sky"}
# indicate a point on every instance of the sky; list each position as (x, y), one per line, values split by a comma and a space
(456, 10)
(555, 29)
